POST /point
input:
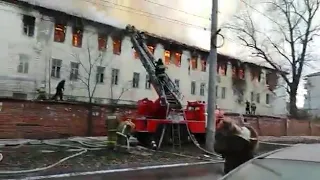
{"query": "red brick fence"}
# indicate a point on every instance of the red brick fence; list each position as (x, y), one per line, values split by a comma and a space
(43, 120)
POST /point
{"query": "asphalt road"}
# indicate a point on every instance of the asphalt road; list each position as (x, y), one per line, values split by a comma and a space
(209, 171)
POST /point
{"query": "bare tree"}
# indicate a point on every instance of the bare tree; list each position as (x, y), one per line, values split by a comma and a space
(284, 42)
(116, 97)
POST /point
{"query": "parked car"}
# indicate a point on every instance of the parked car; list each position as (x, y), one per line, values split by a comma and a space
(299, 162)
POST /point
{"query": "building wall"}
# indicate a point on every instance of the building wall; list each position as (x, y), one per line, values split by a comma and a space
(312, 103)
(41, 50)
(46, 120)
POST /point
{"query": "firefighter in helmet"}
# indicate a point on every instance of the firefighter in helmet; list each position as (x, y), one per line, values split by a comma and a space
(124, 131)
(160, 69)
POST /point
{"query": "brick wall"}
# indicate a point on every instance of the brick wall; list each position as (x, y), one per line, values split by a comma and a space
(43, 120)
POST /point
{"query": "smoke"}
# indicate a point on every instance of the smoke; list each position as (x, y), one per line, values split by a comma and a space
(83, 9)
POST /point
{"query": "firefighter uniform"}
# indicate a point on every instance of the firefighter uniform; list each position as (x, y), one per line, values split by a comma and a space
(41, 94)
(124, 129)
(160, 69)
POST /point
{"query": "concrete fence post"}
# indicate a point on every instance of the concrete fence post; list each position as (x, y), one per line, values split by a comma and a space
(258, 126)
(286, 126)
(310, 127)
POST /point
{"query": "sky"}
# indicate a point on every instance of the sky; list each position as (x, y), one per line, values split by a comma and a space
(187, 21)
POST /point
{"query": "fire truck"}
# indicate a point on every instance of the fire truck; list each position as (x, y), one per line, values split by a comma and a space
(165, 119)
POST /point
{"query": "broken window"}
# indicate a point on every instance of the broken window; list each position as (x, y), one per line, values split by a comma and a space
(56, 68)
(252, 96)
(74, 71)
(258, 98)
(256, 73)
(223, 92)
(102, 42)
(135, 54)
(23, 66)
(202, 89)
(194, 63)
(60, 32)
(28, 25)
(77, 33)
(203, 65)
(241, 73)
(271, 80)
(116, 45)
(167, 57)
(193, 87)
(267, 98)
(177, 59)
(100, 74)
(135, 80)
(151, 49)
(177, 83)
(115, 76)
(148, 84)
(222, 68)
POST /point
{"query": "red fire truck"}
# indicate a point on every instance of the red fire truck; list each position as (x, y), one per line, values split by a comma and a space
(165, 119)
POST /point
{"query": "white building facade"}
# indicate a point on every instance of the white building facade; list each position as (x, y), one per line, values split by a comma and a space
(40, 47)
(312, 97)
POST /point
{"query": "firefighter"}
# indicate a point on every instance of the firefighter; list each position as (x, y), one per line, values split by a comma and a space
(253, 108)
(59, 90)
(160, 69)
(236, 144)
(248, 107)
(41, 94)
(124, 131)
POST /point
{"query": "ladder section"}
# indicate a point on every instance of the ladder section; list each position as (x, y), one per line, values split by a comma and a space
(166, 88)
(176, 138)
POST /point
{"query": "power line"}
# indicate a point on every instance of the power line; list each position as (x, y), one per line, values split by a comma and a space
(147, 14)
(179, 10)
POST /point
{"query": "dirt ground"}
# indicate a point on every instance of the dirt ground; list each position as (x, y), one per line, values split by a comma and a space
(37, 156)
(16, 158)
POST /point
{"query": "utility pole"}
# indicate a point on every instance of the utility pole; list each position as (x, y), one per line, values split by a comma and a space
(212, 60)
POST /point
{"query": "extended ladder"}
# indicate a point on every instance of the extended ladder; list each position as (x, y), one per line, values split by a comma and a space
(176, 138)
(167, 90)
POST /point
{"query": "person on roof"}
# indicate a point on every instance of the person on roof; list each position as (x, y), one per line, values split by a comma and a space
(160, 69)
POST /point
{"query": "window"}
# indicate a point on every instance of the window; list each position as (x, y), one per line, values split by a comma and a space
(267, 98)
(148, 84)
(203, 65)
(167, 57)
(258, 98)
(223, 92)
(60, 32)
(74, 71)
(151, 49)
(135, 80)
(241, 73)
(177, 59)
(56, 68)
(77, 33)
(135, 54)
(252, 96)
(23, 66)
(177, 82)
(217, 90)
(19, 96)
(100, 74)
(202, 89)
(28, 25)
(193, 87)
(116, 45)
(194, 63)
(222, 69)
(102, 42)
(115, 76)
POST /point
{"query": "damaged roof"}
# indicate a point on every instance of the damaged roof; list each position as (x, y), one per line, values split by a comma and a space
(87, 11)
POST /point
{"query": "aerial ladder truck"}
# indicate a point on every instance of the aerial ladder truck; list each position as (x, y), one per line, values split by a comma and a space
(153, 118)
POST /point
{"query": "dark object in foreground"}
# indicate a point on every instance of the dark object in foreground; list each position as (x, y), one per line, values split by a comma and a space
(294, 163)
(59, 90)
(236, 144)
